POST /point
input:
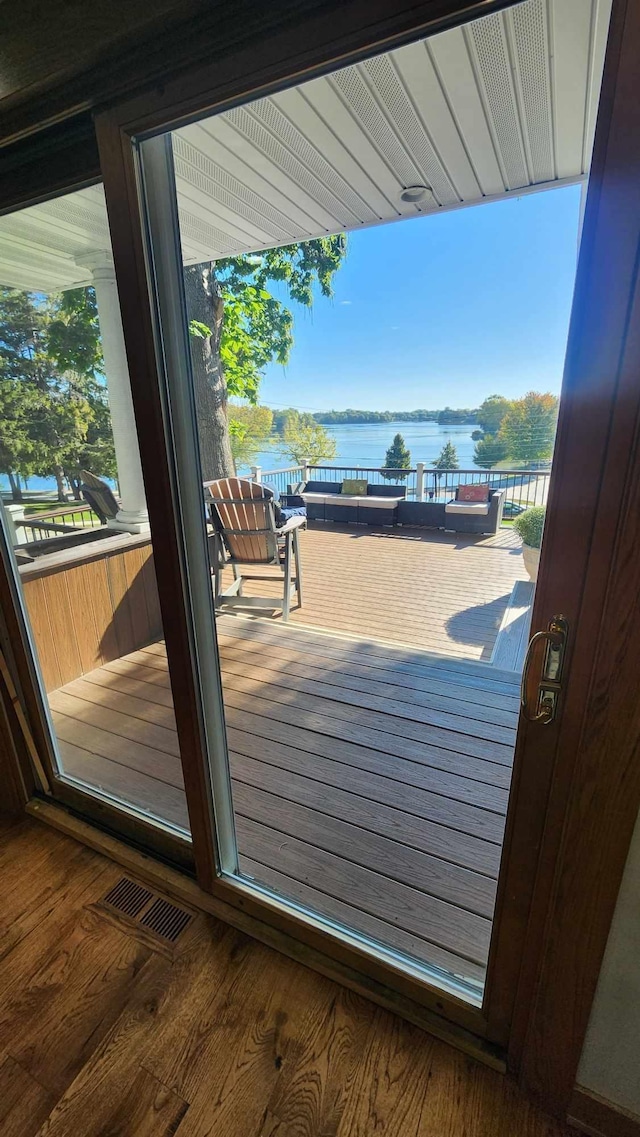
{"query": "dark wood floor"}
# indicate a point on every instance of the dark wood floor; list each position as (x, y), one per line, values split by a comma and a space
(370, 783)
(104, 1032)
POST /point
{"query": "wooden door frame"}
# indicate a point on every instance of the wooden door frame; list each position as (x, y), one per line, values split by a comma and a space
(600, 328)
(595, 791)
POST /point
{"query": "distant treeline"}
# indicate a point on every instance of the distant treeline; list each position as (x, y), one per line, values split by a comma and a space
(448, 416)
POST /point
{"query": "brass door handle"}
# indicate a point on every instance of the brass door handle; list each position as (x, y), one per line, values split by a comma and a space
(550, 683)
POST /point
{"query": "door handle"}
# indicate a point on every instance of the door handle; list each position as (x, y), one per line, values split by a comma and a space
(550, 682)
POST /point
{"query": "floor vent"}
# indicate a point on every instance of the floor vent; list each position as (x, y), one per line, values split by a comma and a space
(147, 910)
(128, 897)
(166, 920)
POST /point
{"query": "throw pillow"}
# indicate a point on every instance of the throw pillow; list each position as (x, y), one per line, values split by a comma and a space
(357, 487)
(473, 493)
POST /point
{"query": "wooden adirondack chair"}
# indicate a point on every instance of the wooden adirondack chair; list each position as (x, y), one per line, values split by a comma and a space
(245, 532)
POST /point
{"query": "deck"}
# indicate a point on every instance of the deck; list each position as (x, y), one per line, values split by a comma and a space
(370, 781)
(440, 592)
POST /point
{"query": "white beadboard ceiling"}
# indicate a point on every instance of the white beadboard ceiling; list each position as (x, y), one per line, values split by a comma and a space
(505, 105)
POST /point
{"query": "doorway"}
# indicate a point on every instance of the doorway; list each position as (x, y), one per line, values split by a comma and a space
(426, 952)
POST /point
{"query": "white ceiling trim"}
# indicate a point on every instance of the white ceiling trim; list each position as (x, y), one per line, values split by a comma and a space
(503, 106)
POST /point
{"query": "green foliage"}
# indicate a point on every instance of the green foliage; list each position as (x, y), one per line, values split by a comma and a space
(54, 416)
(529, 525)
(397, 458)
(529, 427)
(353, 416)
(257, 328)
(489, 451)
(449, 416)
(447, 458)
(305, 439)
(491, 413)
(250, 428)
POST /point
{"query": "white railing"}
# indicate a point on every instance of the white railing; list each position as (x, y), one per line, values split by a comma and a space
(40, 526)
(523, 488)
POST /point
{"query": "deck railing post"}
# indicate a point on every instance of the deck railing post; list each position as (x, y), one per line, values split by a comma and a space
(256, 473)
(306, 465)
(420, 481)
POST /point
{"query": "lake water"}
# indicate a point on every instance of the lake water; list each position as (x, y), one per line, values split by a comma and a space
(365, 444)
(359, 444)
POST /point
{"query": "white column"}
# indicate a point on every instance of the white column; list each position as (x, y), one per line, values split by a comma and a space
(132, 516)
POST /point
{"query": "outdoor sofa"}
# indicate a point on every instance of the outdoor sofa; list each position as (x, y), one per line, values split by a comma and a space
(376, 504)
(475, 516)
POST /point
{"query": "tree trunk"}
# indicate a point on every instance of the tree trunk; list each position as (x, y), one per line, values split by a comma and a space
(205, 304)
(14, 482)
(75, 484)
(59, 476)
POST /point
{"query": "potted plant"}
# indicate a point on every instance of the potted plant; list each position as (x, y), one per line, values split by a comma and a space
(529, 526)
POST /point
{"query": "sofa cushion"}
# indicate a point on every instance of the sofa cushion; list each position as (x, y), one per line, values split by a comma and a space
(376, 490)
(317, 498)
(377, 502)
(473, 493)
(316, 486)
(354, 486)
(470, 508)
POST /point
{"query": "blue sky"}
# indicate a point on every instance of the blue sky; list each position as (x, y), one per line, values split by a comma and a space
(440, 310)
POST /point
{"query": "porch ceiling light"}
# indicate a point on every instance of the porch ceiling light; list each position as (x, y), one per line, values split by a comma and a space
(414, 194)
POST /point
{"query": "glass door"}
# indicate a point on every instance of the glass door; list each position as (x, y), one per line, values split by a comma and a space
(361, 606)
(78, 551)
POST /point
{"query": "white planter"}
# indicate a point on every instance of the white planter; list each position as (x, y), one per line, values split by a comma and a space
(531, 559)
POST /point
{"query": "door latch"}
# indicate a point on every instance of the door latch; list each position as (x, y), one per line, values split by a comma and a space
(550, 682)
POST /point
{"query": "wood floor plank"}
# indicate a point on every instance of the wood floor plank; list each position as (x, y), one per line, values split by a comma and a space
(30, 883)
(53, 1025)
(24, 1103)
(142, 1107)
(390, 1094)
(230, 1038)
(243, 1040)
(320, 1072)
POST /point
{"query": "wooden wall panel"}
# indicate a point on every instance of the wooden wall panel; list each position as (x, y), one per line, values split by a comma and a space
(86, 612)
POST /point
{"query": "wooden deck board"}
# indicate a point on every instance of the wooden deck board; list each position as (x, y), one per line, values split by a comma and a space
(441, 592)
(370, 779)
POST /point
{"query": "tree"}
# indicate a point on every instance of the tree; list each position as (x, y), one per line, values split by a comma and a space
(488, 451)
(529, 427)
(54, 416)
(447, 458)
(397, 458)
(491, 413)
(238, 326)
(250, 428)
(305, 439)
